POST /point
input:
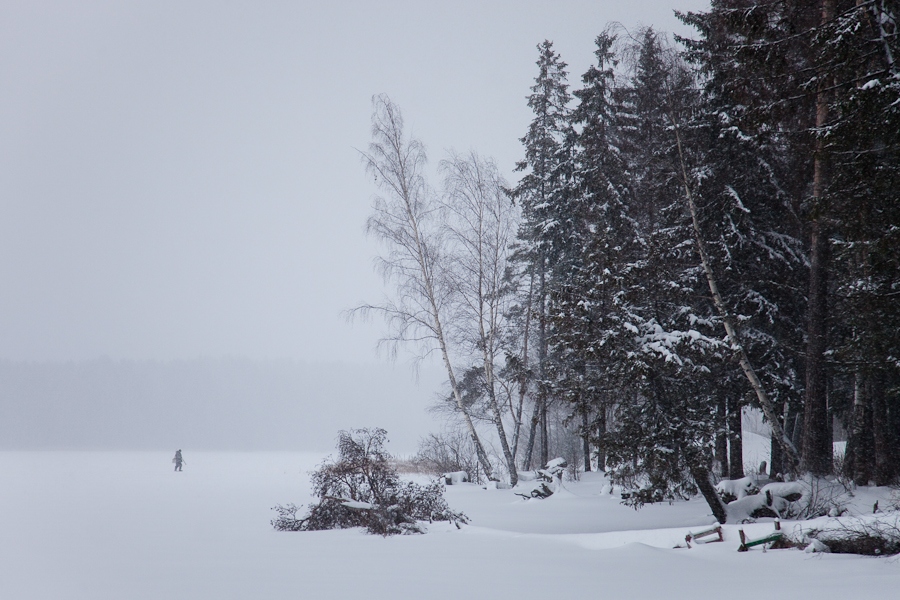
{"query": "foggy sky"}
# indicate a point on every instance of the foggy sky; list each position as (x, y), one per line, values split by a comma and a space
(180, 179)
(183, 205)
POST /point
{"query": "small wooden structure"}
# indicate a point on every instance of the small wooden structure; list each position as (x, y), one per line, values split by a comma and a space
(697, 537)
(773, 537)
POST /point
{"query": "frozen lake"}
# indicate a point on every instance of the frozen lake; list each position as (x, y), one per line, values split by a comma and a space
(122, 525)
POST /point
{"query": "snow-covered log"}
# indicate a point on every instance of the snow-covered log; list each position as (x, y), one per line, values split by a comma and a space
(455, 477)
(803, 499)
(735, 489)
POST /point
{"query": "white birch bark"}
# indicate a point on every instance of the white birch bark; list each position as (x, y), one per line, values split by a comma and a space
(481, 225)
(404, 219)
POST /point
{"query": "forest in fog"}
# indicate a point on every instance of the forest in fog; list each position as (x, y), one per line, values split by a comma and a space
(700, 226)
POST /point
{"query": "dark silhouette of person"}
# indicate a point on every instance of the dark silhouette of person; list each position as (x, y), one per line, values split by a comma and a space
(178, 460)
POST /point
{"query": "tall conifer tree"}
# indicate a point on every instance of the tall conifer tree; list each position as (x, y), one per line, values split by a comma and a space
(542, 193)
(584, 328)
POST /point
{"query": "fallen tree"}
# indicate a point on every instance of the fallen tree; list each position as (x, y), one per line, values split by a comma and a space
(806, 498)
(361, 489)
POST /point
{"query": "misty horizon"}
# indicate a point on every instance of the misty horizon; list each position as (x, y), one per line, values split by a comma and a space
(207, 404)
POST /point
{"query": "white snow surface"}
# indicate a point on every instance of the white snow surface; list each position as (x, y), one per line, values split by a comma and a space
(123, 525)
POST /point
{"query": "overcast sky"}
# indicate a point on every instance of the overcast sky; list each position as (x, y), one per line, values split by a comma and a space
(180, 179)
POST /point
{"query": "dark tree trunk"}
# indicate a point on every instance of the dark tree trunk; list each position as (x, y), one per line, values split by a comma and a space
(882, 438)
(532, 435)
(735, 441)
(701, 477)
(601, 439)
(539, 420)
(545, 434)
(893, 424)
(817, 446)
(817, 452)
(776, 463)
(721, 441)
(858, 458)
(585, 439)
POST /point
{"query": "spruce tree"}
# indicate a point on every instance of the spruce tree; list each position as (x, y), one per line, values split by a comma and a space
(582, 326)
(750, 225)
(659, 327)
(759, 57)
(859, 46)
(812, 86)
(542, 194)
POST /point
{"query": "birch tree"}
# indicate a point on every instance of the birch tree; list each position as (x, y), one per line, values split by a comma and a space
(480, 221)
(406, 219)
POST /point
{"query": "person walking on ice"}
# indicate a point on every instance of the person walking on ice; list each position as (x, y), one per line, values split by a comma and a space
(178, 460)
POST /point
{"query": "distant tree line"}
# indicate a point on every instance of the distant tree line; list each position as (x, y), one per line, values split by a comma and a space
(697, 229)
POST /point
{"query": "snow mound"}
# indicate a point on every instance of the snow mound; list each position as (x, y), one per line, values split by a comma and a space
(738, 488)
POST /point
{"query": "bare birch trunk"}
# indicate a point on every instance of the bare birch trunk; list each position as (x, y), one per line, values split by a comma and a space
(523, 377)
(478, 218)
(396, 163)
(791, 457)
(498, 418)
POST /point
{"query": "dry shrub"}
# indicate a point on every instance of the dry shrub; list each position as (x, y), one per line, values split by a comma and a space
(448, 452)
(878, 536)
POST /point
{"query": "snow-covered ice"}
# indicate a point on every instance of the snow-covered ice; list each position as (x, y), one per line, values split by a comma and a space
(97, 525)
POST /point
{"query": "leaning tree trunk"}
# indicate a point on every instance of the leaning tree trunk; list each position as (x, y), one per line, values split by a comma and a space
(438, 329)
(460, 405)
(397, 162)
(790, 455)
(498, 418)
(702, 477)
